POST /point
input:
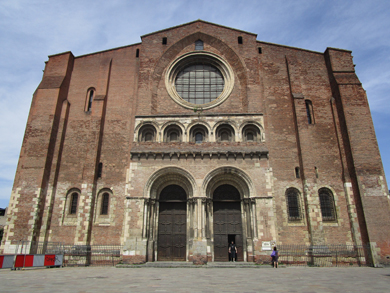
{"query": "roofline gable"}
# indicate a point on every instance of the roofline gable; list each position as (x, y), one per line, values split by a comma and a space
(198, 20)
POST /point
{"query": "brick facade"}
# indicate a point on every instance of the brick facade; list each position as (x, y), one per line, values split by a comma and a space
(310, 125)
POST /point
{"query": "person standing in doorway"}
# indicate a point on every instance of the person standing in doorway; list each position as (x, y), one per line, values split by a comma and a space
(275, 257)
(232, 251)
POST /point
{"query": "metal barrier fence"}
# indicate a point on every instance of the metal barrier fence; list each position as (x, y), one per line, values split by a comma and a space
(324, 255)
(27, 253)
(33, 254)
(92, 255)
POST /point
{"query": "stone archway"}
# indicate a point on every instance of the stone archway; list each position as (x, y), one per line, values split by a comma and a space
(167, 200)
(241, 183)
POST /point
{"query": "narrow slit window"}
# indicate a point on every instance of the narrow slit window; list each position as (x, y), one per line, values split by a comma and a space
(164, 40)
(309, 112)
(100, 170)
(297, 172)
(137, 53)
(316, 171)
(105, 201)
(240, 40)
(73, 203)
(90, 95)
(260, 51)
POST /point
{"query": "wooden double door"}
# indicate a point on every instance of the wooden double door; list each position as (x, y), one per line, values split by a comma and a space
(227, 228)
(227, 222)
(171, 244)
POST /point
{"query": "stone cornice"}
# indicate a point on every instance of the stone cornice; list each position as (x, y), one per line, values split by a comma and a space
(153, 151)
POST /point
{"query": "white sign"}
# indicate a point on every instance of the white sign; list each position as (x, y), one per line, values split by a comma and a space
(266, 245)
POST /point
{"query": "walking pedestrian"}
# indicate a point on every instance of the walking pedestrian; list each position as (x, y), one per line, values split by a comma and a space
(275, 257)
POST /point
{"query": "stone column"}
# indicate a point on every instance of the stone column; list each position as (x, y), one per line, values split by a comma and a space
(199, 246)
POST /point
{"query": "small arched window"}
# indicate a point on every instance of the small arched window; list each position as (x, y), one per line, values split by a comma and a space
(73, 203)
(327, 205)
(90, 96)
(198, 134)
(147, 133)
(172, 134)
(251, 133)
(225, 132)
(293, 205)
(105, 202)
(199, 45)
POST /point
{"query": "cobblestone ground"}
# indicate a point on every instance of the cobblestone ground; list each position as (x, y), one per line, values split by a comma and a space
(110, 279)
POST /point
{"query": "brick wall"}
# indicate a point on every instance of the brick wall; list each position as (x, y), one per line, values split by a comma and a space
(64, 145)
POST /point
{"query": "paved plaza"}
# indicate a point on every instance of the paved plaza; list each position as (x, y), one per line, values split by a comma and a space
(111, 279)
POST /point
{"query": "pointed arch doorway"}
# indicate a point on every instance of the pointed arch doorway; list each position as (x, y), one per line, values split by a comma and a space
(172, 219)
(227, 221)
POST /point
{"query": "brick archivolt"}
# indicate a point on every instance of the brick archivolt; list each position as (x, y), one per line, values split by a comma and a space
(178, 176)
(166, 125)
(168, 176)
(228, 175)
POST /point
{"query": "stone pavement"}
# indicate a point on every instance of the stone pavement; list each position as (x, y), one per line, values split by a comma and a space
(148, 279)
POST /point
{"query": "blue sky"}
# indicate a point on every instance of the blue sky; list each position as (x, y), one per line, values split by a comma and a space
(30, 30)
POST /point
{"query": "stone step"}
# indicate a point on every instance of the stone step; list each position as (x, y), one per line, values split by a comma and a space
(184, 264)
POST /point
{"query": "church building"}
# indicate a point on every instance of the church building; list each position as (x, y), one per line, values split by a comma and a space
(195, 137)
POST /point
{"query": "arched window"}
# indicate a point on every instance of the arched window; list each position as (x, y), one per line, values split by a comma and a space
(225, 132)
(73, 203)
(199, 45)
(147, 133)
(172, 133)
(309, 111)
(105, 201)
(251, 133)
(198, 134)
(327, 205)
(90, 96)
(293, 205)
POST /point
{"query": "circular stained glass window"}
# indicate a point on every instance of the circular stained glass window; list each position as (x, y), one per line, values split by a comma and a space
(199, 83)
(199, 79)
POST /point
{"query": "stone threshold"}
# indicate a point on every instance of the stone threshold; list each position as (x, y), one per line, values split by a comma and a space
(183, 264)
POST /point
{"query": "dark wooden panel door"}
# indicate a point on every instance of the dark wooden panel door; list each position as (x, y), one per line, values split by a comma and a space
(172, 231)
(227, 221)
